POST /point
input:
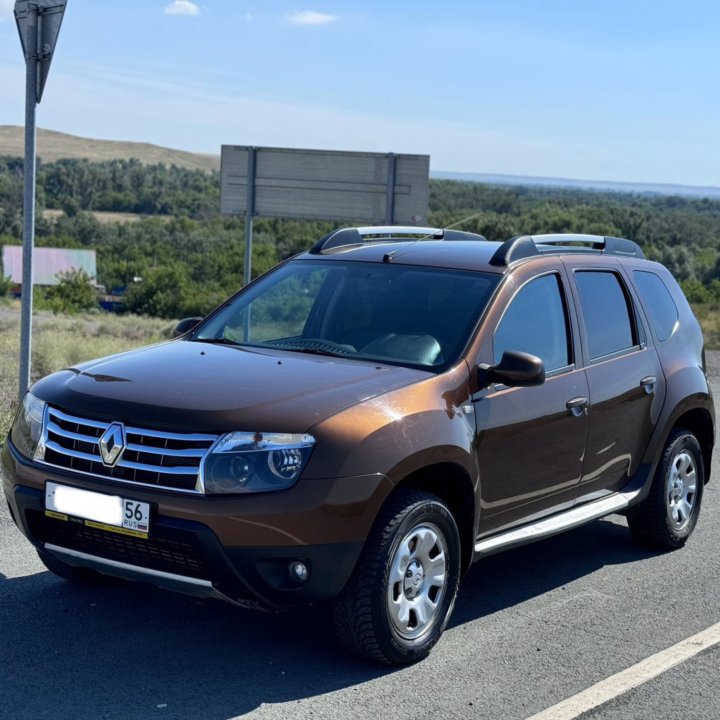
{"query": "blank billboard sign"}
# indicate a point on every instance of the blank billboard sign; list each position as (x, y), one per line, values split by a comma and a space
(324, 184)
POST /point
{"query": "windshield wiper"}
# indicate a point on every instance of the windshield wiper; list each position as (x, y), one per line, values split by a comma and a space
(218, 341)
(309, 351)
(312, 346)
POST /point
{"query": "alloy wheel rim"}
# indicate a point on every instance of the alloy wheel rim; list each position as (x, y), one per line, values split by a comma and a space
(417, 581)
(681, 490)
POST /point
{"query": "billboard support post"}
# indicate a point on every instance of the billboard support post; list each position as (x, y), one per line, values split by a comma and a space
(390, 204)
(374, 188)
(250, 212)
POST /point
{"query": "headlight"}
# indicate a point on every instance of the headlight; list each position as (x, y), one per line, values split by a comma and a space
(255, 462)
(27, 430)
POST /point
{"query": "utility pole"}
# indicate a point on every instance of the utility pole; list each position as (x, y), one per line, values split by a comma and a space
(38, 23)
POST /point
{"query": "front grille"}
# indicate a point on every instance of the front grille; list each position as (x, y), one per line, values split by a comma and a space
(177, 553)
(160, 459)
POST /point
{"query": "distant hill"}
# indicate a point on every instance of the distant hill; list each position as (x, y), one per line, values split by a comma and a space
(53, 146)
(566, 183)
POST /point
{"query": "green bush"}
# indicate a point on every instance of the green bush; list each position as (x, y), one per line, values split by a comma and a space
(695, 291)
(5, 285)
(73, 293)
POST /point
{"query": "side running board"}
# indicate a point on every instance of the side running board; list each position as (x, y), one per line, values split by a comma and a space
(547, 527)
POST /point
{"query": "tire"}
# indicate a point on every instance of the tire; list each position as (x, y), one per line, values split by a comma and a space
(68, 572)
(667, 517)
(392, 610)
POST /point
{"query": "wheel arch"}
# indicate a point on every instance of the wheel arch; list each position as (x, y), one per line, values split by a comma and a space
(699, 422)
(452, 484)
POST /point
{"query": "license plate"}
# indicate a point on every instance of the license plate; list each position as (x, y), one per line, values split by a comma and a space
(103, 512)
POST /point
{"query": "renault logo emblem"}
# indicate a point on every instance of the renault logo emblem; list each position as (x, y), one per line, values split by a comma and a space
(112, 444)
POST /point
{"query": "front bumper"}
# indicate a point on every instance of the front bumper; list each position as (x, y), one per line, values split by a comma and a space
(188, 550)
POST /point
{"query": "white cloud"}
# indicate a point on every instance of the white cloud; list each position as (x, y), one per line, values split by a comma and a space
(182, 7)
(308, 17)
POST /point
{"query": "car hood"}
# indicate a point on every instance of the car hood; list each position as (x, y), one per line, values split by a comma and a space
(186, 386)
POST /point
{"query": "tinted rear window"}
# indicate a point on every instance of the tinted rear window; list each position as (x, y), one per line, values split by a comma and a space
(605, 307)
(658, 303)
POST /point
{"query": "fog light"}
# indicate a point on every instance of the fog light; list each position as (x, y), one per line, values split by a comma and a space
(299, 571)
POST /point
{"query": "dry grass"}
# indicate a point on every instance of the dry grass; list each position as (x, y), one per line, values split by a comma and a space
(53, 146)
(106, 217)
(709, 316)
(60, 341)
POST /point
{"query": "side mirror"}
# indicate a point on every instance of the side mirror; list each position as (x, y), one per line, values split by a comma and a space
(515, 369)
(186, 325)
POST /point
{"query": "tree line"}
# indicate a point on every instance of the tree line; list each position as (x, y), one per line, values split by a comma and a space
(126, 186)
(183, 258)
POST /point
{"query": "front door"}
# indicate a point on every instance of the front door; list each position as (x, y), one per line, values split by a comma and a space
(531, 440)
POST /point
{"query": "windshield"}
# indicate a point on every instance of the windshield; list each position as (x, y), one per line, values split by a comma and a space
(398, 314)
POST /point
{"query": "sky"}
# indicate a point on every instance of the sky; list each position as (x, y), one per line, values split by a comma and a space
(621, 90)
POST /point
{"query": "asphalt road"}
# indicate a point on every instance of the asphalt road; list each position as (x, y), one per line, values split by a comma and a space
(531, 627)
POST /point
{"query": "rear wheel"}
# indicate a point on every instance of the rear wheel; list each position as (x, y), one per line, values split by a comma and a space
(396, 606)
(667, 517)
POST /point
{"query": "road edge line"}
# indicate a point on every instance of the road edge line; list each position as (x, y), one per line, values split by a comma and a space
(634, 676)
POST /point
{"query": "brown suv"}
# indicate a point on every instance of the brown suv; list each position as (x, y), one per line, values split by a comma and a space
(367, 419)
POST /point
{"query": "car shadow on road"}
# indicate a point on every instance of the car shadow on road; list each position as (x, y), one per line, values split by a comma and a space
(129, 650)
(501, 581)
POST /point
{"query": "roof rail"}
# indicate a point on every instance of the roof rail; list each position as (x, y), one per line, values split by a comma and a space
(354, 236)
(522, 246)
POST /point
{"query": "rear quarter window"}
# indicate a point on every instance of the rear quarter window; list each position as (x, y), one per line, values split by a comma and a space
(658, 303)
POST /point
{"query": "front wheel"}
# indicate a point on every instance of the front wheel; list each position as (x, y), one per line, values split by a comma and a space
(667, 517)
(399, 600)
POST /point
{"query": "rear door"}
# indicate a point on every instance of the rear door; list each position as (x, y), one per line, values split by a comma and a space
(625, 379)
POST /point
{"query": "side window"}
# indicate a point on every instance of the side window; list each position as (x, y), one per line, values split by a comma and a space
(658, 303)
(536, 323)
(605, 308)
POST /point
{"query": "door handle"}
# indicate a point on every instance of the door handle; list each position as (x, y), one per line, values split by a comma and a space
(577, 406)
(648, 383)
